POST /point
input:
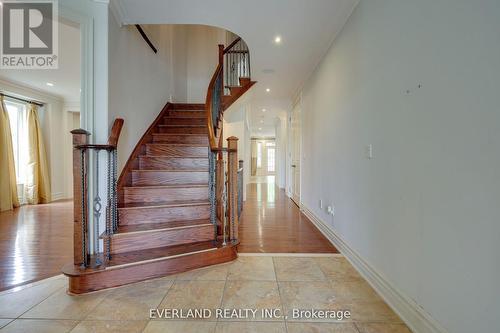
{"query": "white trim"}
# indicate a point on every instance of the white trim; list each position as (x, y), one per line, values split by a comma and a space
(86, 67)
(58, 196)
(410, 312)
(14, 87)
(289, 254)
(118, 11)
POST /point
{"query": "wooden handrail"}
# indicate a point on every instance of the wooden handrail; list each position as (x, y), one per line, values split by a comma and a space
(112, 140)
(115, 132)
(231, 45)
(208, 109)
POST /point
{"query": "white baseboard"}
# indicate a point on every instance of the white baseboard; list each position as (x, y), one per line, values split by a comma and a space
(417, 319)
(58, 196)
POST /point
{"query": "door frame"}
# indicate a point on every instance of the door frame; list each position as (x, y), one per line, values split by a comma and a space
(297, 106)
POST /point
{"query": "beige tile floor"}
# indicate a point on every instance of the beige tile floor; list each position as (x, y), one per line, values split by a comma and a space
(250, 282)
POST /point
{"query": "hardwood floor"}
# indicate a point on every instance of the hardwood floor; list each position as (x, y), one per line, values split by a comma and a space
(271, 223)
(35, 242)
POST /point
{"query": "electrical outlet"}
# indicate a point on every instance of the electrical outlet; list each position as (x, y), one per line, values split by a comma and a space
(331, 210)
(320, 204)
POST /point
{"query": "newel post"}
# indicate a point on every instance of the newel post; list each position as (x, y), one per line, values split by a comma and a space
(232, 186)
(80, 194)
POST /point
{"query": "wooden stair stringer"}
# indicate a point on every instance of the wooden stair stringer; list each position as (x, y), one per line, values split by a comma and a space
(236, 92)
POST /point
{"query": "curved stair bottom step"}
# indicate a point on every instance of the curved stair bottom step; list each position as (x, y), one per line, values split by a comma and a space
(121, 272)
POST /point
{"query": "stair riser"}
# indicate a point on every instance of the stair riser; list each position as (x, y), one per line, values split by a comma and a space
(169, 150)
(168, 178)
(149, 240)
(163, 214)
(187, 139)
(189, 106)
(108, 278)
(154, 195)
(187, 114)
(185, 121)
(182, 130)
(155, 162)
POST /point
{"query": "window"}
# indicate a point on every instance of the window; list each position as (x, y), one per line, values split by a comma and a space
(270, 160)
(17, 118)
(259, 154)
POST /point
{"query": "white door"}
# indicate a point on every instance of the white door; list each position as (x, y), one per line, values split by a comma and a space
(295, 140)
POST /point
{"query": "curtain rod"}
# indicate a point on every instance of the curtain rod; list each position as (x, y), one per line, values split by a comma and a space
(21, 99)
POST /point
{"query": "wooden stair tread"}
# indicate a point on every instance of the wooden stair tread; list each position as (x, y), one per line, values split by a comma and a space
(172, 116)
(147, 227)
(169, 170)
(161, 253)
(166, 186)
(166, 204)
(177, 116)
(170, 125)
(171, 156)
(143, 256)
(177, 144)
(180, 134)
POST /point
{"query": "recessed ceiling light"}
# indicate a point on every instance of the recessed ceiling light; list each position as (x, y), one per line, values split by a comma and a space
(263, 110)
(50, 84)
(277, 39)
(268, 90)
(260, 128)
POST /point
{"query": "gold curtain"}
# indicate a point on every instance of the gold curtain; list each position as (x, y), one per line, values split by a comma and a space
(37, 187)
(8, 184)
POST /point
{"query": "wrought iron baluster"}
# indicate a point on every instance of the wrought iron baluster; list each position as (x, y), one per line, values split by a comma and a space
(212, 191)
(97, 205)
(109, 217)
(114, 198)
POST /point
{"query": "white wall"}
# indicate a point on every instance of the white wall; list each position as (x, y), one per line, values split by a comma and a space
(424, 211)
(141, 81)
(202, 59)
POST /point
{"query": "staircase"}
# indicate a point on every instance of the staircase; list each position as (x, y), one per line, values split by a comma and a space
(161, 213)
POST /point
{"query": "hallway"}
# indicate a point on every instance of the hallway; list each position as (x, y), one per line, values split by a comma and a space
(272, 223)
(36, 241)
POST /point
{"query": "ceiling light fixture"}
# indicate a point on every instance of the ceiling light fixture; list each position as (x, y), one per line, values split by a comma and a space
(260, 128)
(277, 39)
(263, 110)
(268, 90)
(50, 84)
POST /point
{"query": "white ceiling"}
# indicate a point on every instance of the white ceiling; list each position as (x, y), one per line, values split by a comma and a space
(66, 78)
(307, 29)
